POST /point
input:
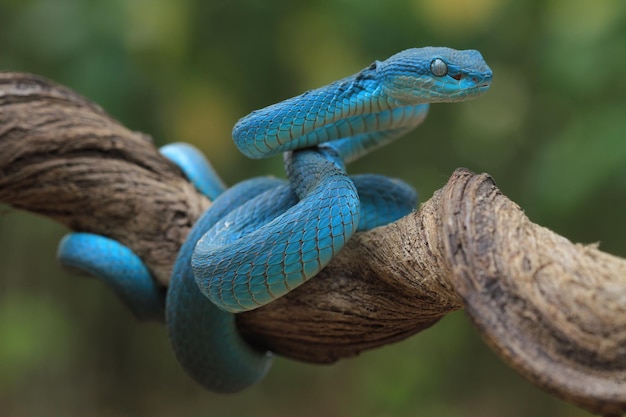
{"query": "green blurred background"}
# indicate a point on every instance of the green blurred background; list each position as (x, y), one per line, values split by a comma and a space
(551, 131)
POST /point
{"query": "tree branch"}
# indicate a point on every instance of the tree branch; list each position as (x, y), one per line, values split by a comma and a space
(554, 310)
(63, 157)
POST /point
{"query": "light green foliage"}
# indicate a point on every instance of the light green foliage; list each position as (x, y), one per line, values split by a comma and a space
(552, 132)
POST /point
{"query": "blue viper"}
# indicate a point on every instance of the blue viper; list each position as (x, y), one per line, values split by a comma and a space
(263, 237)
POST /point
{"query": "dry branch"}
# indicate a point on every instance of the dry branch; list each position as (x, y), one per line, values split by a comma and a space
(554, 310)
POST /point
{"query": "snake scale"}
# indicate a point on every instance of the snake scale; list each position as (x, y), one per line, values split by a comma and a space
(264, 236)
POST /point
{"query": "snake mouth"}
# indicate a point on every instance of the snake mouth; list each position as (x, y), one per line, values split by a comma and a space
(478, 85)
(476, 82)
(483, 83)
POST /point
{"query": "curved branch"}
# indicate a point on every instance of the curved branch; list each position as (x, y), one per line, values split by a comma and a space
(63, 157)
(554, 310)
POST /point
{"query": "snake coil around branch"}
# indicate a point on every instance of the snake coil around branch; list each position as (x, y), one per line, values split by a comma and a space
(552, 309)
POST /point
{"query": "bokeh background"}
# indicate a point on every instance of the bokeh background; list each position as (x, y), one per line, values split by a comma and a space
(551, 131)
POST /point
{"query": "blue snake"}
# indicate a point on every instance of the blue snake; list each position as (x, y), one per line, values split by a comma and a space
(263, 237)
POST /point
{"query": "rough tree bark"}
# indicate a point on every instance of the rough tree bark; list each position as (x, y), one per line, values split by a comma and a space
(554, 310)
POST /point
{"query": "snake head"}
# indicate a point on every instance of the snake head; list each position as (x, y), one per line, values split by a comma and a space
(433, 74)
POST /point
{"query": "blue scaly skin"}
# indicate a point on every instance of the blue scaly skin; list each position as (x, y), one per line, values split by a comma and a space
(119, 267)
(263, 237)
(368, 109)
(225, 227)
(347, 118)
(196, 168)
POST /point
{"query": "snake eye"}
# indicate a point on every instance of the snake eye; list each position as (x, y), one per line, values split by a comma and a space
(438, 67)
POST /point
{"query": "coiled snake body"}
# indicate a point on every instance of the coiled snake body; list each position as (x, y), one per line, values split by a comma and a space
(264, 236)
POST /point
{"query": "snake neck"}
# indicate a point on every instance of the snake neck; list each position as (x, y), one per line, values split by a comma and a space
(359, 94)
(308, 168)
(336, 111)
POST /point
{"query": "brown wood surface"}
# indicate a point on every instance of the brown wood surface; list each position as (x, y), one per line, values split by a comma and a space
(554, 310)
